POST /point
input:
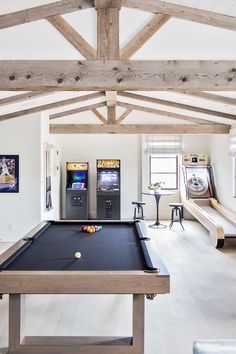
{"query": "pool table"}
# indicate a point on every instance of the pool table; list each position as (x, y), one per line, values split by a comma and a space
(119, 259)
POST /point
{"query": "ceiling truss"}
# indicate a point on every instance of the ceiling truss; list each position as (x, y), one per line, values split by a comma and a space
(110, 71)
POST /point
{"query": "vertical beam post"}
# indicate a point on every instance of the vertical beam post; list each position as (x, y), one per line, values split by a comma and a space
(108, 28)
(108, 42)
(111, 111)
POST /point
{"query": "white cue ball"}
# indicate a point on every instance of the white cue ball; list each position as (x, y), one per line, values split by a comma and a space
(78, 255)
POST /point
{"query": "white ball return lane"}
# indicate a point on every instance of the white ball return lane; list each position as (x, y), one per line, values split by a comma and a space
(198, 200)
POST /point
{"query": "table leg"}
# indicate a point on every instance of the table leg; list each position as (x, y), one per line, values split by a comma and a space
(73, 345)
(16, 321)
(157, 224)
(138, 323)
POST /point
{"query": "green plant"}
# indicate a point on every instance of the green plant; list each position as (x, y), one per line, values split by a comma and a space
(156, 184)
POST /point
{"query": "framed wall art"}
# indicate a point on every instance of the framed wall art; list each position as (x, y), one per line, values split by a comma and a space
(48, 150)
(9, 173)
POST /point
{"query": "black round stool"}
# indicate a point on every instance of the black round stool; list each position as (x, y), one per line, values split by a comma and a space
(176, 214)
(138, 210)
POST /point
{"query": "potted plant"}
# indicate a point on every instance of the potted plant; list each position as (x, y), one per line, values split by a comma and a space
(156, 187)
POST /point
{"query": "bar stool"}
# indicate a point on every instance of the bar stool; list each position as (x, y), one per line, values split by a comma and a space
(138, 210)
(176, 214)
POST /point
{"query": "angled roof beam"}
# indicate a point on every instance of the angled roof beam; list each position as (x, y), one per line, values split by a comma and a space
(138, 129)
(99, 115)
(143, 35)
(177, 105)
(184, 12)
(118, 75)
(71, 112)
(53, 105)
(163, 113)
(73, 37)
(23, 97)
(123, 115)
(44, 11)
(211, 97)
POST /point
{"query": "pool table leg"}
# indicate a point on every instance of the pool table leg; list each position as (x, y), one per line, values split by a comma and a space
(138, 323)
(16, 332)
(16, 321)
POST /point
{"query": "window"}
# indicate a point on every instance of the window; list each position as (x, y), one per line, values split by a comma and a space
(164, 168)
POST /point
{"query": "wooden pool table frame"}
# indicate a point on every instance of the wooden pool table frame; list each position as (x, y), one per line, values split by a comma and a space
(137, 283)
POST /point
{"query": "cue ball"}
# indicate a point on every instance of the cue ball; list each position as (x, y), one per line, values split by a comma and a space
(77, 255)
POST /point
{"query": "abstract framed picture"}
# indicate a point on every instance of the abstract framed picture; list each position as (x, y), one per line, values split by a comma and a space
(9, 173)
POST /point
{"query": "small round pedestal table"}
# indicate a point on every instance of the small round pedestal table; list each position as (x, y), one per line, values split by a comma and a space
(157, 224)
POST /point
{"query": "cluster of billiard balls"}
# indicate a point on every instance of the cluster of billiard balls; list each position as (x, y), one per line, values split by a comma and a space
(91, 229)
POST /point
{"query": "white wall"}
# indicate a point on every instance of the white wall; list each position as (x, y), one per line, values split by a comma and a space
(134, 167)
(223, 170)
(193, 144)
(19, 212)
(92, 147)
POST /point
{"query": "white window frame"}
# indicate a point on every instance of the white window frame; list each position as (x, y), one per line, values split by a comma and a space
(176, 173)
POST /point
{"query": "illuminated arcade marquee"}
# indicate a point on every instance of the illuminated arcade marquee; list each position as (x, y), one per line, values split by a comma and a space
(77, 175)
(108, 175)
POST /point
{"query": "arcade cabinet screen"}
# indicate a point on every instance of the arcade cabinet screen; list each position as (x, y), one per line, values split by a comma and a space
(77, 176)
(109, 180)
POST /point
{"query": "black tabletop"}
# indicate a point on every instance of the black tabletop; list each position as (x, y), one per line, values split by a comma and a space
(116, 247)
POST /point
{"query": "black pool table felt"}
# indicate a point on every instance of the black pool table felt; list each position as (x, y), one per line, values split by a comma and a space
(115, 247)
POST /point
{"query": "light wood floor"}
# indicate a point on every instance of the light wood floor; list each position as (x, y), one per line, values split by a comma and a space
(202, 302)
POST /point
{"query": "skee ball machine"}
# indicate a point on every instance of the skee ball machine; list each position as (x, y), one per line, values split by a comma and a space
(77, 190)
(199, 198)
(108, 189)
(198, 177)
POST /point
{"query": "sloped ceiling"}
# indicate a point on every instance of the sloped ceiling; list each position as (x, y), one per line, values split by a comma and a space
(177, 39)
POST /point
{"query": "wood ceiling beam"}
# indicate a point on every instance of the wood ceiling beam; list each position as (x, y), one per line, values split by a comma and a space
(118, 75)
(44, 11)
(211, 97)
(107, 30)
(71, 112)
(184, 12)
(163, 113)
(123, 115)
(53, 105)
(23, 97)
(143, 35)
(177, 105)
(105, 4)
(111, 97)
(73, 37)
(108, 39)
(99, 115)
(111, 114)
(138, 129)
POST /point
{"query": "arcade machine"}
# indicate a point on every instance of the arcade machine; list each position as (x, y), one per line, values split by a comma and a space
(199, 199)
(77, 190)
(108, 189)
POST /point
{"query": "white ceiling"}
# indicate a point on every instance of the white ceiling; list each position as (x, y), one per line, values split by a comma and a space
(221, 6)
(178, 39)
